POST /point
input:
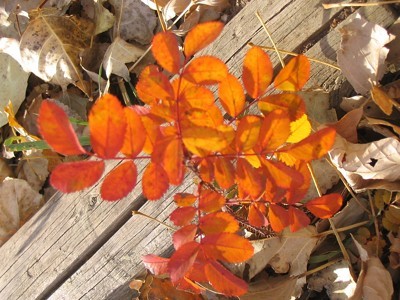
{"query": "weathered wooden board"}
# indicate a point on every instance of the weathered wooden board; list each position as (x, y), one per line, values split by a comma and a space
(80, 247)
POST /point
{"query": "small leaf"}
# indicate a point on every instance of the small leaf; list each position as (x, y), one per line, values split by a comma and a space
(56, 129)
(274, 130)
(155, 264)
(249, 179)
(297, 219)
(205, 70)
(155, 181)
(165, 50)
(231, 95)
(182, 260)
(218, 222)
(76, 176)
(278, 217)
(154, 85)
(247, 133)
(135, 135)
(184, 199)
(299, 129)
(124, 177)
(291, 103)
(326, 206)
(107, 126)
(201, 36)
(294, 75)
(224, 281)
(257, 214)
(210, 201)
(283, 176)
(382, 99)
(224, 172)
(184, 235)
(257, 72)
(227, 247)
(182, 216)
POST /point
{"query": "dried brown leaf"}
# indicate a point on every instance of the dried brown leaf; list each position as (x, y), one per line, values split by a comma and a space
(281, 287)
(394, 257)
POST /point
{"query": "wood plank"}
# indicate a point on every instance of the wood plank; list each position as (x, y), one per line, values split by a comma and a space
(126, 247)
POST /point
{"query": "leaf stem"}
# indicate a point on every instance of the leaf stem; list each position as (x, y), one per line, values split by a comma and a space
(319, 268)
(160, 16)
(135, 212)
(342, 229)
(336, 5)
(377, 232)
(296, 54)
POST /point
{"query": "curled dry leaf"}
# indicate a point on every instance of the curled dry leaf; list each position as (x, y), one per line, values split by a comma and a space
(394, 257)
(18, 202)
(281, 287)
(362, 164)
(34, 169)
(362, 45)
(50, 48)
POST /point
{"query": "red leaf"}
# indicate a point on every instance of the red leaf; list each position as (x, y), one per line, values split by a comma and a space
(205, 70)
(283, 176)
(135, 135)
(257, 72)
(57, 131)
(297, 219)
(224, 172)
(154, 85)
(182, 260)
(247, 133)
(123, 177)
(275, 129)
(296, 194)
(278, 217)
(326, 206)
(184, 235)
(76, 176)
(257, 214)
(249, 179)
(210, 201)
(228, 247)
(201, 36)
(231, 95)
(218, 222)
(155, 264)
(154, 182)
(292, 104)
(107, 126)
(184, 199)
(294, 75)
(165, 50)
(183, 215)
(224, 281)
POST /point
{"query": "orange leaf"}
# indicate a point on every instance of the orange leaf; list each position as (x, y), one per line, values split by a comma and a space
(201, 140)
(278, 217)
(218, 222)
(247, 133)
(296, 194)
(206, 169)
(275, 129)
(184, 199)
(249, 179)
(152, 126)
(257, 72)
(184, 235)
(231, 95)
(182, 260)
(135, 135)
(155, 264)
(154, 85)
(326, 206)
(211, 117)
(107, 126)
(205, 70)
(283, 176)
(76, 176)
(257, 214)
(297, 219)
(313, 147)
(227, 247)
(182, 216)
(294, 75)
(197, 97)
(224, 172)
(210, 201)
(292, 104)
(165, 50)
(224, 281)
(168, 153)
(124, 177)
(56, 129)
(201, 36)
(154, 181)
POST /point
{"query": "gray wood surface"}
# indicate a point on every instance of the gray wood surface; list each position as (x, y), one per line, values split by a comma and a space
(79, 247)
